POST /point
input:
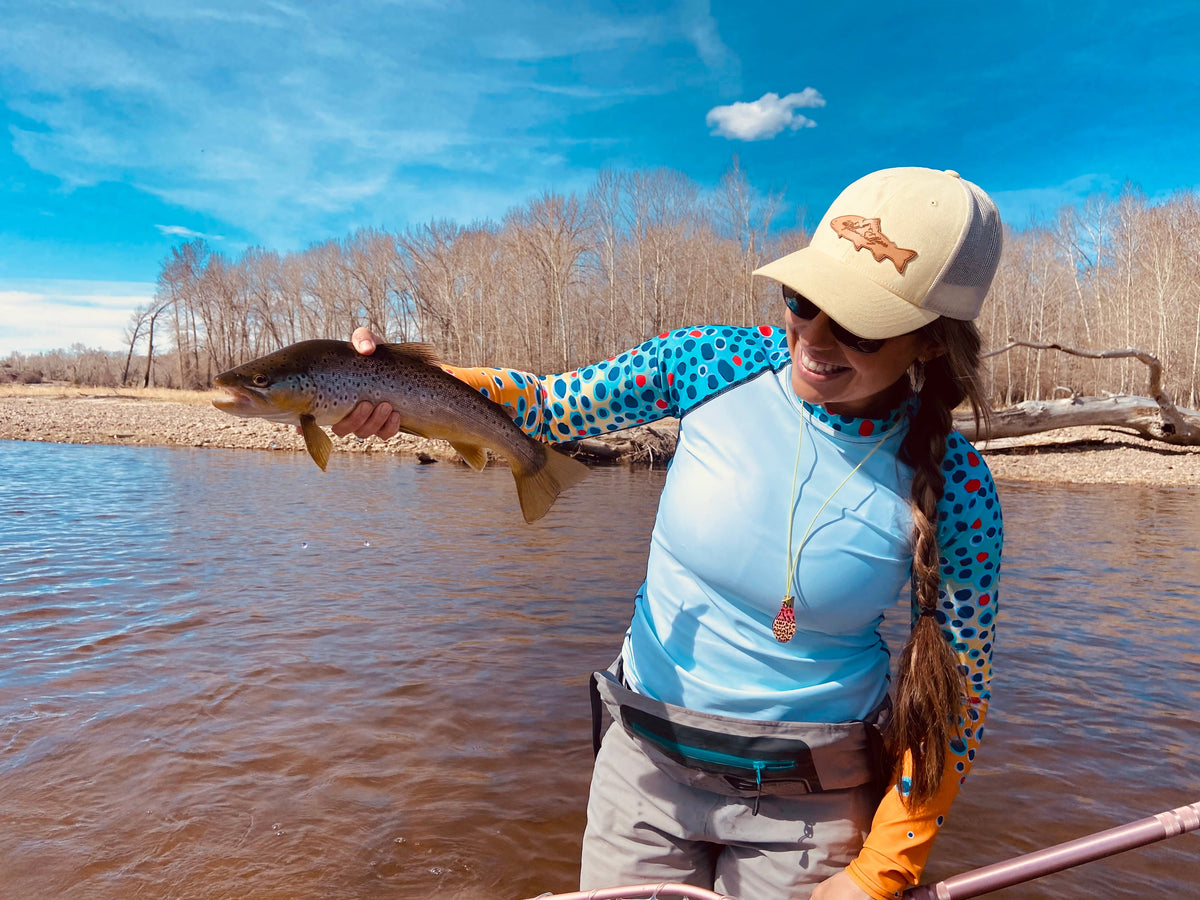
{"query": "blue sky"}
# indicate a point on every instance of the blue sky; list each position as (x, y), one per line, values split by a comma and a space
(128, 126)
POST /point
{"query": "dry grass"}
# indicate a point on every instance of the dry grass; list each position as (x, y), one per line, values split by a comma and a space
(63, 391)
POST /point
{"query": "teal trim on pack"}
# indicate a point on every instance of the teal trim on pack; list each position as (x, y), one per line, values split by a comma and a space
(714, 757)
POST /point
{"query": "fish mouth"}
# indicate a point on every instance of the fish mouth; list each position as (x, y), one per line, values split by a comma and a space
(233, 398)
(248, 403)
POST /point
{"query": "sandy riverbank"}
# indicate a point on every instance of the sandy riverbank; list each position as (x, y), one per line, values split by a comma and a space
(187, 419)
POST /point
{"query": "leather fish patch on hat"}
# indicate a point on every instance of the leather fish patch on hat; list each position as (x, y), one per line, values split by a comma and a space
(862, 232)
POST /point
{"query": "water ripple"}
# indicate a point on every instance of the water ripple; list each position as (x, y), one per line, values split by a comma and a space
(226, 674)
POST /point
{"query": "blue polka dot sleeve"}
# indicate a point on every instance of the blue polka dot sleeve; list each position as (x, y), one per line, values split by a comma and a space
(970, 537)
(665, 376)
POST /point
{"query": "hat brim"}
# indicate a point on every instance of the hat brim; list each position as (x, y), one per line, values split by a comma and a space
(848, 297)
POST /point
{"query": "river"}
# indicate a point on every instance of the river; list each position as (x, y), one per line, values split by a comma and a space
(227, 674)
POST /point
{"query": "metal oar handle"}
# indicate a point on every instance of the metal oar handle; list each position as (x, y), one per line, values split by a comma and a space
(1061, 856)
(999, 875)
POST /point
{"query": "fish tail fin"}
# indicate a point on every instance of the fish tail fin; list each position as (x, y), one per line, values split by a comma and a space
(538, 490)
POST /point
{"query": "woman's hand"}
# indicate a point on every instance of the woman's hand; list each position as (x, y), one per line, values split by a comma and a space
(366, 418)
(839, 887)
(364, 340)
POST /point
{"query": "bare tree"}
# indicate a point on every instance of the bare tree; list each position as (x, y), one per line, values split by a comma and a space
(142, 323)
(371, 263)
(605, 212)
(179, 289)
(551, 233)
(747, 218)
(430, 280)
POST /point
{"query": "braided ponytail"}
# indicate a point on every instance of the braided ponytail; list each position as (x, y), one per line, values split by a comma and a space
(930, 687)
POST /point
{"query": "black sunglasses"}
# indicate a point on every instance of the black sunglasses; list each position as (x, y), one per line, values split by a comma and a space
(803, 308)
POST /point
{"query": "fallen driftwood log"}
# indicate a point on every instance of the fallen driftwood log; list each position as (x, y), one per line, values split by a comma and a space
(1142, 415)
(1155, 417)
(654, 444)
(651, 445)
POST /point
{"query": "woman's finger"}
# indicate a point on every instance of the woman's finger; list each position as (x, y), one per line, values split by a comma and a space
(356, 419)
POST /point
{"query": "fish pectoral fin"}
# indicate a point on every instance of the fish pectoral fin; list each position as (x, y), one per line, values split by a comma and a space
(474, 455)
(316, 440)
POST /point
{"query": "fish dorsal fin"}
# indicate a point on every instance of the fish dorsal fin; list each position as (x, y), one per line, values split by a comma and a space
(419, 350)
(316, 440)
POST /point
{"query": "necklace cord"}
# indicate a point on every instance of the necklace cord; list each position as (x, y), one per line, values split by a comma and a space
(793, 562)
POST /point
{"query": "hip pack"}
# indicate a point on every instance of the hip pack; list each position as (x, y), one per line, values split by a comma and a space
(785, 757)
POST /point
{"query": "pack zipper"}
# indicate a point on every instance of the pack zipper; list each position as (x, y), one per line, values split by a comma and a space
(722, 759)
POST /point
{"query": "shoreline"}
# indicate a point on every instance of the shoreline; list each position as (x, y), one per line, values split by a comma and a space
(1094, 455)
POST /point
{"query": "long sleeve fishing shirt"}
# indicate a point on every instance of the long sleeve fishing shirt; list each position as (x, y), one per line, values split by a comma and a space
(751, 457)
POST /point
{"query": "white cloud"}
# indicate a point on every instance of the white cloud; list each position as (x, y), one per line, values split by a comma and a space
(765, 117)
(185, 232)
(700, 28)
(43, 314)
(529, 32)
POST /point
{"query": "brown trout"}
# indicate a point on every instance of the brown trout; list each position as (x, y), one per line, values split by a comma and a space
(315, 383)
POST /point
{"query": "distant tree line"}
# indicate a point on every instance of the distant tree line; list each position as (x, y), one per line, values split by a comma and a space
(1113, 273)
(559, 282)
(77, 364)
(564, 280)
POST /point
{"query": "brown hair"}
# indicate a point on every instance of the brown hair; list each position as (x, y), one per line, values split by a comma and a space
(930, 687)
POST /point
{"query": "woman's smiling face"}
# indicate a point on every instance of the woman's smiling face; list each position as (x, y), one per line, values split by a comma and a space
(846, 382)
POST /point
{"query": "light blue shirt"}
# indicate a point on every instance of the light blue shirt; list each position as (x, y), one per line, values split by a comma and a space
(719, 557)
(701, 632)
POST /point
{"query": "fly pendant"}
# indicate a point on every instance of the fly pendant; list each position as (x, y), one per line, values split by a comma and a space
(784, 625)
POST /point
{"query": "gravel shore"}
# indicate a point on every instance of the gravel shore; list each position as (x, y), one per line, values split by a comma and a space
(75, 416)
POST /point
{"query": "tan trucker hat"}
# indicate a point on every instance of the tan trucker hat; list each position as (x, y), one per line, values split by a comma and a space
(897, 249)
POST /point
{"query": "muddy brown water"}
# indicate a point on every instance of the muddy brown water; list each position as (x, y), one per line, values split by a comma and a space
(224, 674)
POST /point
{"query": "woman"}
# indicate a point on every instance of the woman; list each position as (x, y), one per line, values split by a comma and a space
(816, 473)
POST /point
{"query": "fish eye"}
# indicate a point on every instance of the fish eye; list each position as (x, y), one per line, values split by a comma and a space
(260, 380)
